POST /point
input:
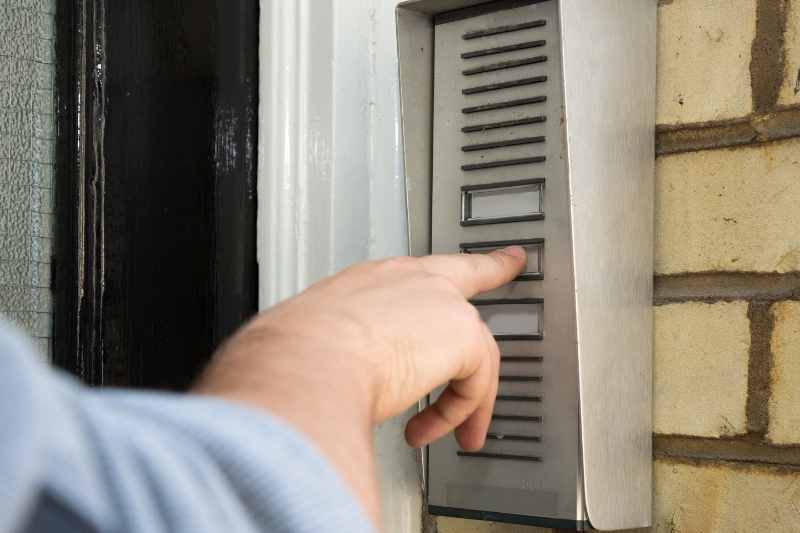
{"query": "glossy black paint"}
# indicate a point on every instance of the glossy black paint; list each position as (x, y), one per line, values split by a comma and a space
(159, 265)
(77, 265)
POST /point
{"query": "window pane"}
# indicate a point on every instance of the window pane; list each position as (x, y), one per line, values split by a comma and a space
(27, 152)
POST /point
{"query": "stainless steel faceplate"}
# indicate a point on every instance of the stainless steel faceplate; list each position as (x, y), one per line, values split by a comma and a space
(531, 122)
(497, 125)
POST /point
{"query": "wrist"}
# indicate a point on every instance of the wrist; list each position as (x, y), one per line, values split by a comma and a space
(313, 389)
(268, 368)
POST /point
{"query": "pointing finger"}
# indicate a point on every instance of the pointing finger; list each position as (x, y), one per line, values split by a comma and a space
(476, 273)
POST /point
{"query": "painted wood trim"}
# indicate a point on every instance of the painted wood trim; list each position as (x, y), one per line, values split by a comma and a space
(331, 177)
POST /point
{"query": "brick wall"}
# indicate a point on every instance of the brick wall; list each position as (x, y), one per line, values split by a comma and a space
(727, 303)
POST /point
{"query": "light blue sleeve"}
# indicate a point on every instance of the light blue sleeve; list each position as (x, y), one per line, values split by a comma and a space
(77, 459)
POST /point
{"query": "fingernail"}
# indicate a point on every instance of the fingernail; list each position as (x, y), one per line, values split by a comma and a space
(516, 251)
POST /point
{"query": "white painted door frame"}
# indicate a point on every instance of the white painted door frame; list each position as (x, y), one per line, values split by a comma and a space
(331, 188)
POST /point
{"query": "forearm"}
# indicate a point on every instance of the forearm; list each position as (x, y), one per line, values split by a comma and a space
(321, 397)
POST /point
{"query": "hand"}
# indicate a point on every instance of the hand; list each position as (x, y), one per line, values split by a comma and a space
(367, 344)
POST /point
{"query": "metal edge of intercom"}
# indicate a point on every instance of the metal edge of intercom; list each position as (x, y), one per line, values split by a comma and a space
(417, 170)
(415, 31)
(610, 47)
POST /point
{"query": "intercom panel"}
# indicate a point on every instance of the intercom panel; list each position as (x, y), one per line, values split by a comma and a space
(499, 173)
(530, 122)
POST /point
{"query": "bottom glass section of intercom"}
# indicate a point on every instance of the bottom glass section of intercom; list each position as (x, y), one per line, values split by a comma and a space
(508, 518)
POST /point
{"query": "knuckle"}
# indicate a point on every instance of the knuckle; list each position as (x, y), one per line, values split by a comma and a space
(492, 346)
(479, 330)
(441, 282)
(465, 319)
(479, 338)
(474, 316)
(499, 260)
(356, 270)
(448, 416)
(476, 265)
(471, 318)
(477, 272)
(396, 264)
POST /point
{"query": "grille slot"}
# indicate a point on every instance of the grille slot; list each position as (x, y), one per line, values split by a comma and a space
(503, 65)
(513, 438)
(522, 359)
(505, 124)
(503, 49)
(504, 85)
(531, 399)
(503, 456)
(506, 338)
(502, 144)
(477, 34)
(504, 105)
(518, 418)
(521, 379)
(504, 163)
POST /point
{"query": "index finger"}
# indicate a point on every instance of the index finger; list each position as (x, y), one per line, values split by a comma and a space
(476, 273)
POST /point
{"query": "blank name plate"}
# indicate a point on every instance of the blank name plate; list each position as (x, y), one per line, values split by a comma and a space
(513, 319)
(534, 248)
(500, 203)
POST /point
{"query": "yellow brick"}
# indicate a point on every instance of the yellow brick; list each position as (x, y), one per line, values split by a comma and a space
(733, 210)
(701, 362)
(454, 525)
(784, 409)
(704, 60)
(722, 498)
(790, 92)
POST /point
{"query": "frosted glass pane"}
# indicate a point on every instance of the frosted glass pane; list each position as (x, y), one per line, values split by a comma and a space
(512, 319)
(535, 256)
(27, 138)
(504, 202)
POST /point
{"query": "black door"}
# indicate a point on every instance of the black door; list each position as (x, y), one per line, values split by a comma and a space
(156, 186)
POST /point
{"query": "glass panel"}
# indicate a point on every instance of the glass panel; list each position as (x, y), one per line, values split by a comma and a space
(521, 201)
(27, 138)
(534, 270)
(513, 319)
